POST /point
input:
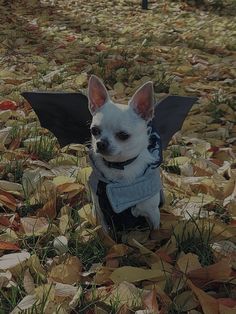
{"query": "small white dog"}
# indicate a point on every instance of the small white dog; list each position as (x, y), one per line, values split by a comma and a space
(125, 181)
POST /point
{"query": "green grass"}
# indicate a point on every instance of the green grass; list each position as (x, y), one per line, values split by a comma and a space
(13, 170)
(196, 238)
(89, 253)
(44, 148)
(10, 297)
(220, 98)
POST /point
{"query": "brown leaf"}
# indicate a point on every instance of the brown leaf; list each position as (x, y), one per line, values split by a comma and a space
(34, 226)
(226, 310)
(150, 301)
(49, 209)
(117, 250)
(70, 187)
(102, 276)
(219, 271)
(209, 304)
(67, 272)
(6, 199)
(227, 302)
(8, 246)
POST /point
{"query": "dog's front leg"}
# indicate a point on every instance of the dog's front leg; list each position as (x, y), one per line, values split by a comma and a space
(150, 210)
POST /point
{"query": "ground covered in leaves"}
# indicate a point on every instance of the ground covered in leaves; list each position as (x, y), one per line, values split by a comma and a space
(54, 258)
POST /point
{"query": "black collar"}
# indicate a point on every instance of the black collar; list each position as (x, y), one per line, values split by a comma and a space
(119, 165)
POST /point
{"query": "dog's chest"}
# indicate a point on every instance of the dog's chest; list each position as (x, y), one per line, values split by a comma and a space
(116, 221)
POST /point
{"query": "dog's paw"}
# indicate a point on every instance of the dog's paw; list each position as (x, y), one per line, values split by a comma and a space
(152, 216)
(135, 211)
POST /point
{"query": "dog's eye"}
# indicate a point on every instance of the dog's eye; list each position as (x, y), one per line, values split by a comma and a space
(95, 130)
(123, 136)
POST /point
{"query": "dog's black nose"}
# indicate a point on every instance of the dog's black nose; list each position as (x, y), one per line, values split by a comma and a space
(102, 146)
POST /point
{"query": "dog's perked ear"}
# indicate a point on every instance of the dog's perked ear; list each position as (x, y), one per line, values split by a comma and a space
(97, 94)
(142, 101)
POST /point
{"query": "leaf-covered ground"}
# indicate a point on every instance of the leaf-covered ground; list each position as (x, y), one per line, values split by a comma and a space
(53, 256)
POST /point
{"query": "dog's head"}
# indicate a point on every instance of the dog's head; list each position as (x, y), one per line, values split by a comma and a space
(119, 132)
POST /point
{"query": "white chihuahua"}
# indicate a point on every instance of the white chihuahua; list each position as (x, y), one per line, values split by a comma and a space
(125, 180)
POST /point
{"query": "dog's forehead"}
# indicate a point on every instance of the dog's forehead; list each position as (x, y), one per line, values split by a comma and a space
(113, 115)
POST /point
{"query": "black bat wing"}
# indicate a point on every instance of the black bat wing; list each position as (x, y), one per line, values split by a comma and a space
(169, 116)
(66, 115)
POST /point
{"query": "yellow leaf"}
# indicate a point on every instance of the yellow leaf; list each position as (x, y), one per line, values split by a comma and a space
(188, 262)
(70, 187)
(81, 79)
(135, 274)
(86, 213)
(35, 267)
(5, 115)
(45, 292)
(60, 180)
(84, 174)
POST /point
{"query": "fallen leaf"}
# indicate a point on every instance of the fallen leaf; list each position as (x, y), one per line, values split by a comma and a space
(150, 301)
(135, 274)
(28, 282)
(46, 291)
(34, 226)
(60, 180)
(8, 104)
(8, 246)
(188, 262)
(9, 261)
(8, 200)
(219, 271)
(49, 209)
(25, 304)
(5, 278)
(35, 266)
(67, 272)
(126, 293)
(117, 250)
(70, 187)
(209, 304)
(186, 301)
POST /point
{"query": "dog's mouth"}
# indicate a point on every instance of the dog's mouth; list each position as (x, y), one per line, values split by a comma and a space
(109, 156)
(105, 152)
(116, 158)
(112, 155)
